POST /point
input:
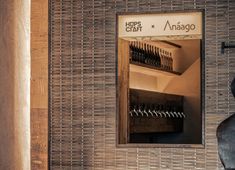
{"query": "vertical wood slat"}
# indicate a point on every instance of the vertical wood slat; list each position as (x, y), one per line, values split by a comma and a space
(82, 86)
(39, 84)
(123, 93)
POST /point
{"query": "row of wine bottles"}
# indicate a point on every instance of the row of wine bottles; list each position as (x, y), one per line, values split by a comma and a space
(151, 55)
(157, 110)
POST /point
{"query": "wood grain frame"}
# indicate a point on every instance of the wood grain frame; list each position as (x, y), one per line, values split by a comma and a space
(122, 107)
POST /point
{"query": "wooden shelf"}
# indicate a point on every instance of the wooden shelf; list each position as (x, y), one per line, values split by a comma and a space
(150, 70)
(155, 125)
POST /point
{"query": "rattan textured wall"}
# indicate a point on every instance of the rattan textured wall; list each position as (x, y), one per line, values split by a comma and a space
(82, 110)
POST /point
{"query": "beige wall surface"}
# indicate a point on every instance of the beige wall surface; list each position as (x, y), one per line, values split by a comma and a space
(15, 85)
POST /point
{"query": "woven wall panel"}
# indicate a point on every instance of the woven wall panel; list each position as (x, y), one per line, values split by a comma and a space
(82, 85)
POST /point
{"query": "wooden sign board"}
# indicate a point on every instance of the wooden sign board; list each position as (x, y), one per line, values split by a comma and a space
(162, 24)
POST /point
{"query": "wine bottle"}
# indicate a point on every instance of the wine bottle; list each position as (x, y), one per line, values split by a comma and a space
(137, 51)
(156, 62)
(150, 55)
(153, 56)
(163, 58)
(171, 62)
(146, 54)
(159, 58)
(132, 51)
(160, 55)
(141, 53)
(167, 61)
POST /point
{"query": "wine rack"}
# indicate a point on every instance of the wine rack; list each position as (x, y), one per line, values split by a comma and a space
(152, 112)
(147, 55)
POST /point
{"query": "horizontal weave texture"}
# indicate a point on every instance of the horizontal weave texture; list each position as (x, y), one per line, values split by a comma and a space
(82, 111)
